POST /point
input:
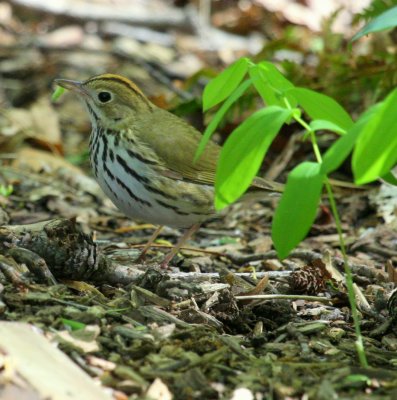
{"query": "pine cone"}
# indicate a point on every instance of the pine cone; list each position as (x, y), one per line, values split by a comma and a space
(311, 279)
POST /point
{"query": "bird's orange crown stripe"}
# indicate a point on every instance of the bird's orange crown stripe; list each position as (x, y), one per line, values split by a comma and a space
(117, 78)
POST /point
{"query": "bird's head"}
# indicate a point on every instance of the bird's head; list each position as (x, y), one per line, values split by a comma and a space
(112, 101)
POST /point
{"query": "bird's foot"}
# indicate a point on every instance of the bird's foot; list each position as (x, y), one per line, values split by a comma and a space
(145, 249)
(141, 258)
(164, 265)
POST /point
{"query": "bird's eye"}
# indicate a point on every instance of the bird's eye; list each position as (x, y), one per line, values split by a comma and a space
(104, 97)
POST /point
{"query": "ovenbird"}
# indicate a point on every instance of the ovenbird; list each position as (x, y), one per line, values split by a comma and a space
(142, 157)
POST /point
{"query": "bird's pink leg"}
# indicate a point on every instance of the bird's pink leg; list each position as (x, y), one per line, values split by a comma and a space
(149, 243)
(180, 243)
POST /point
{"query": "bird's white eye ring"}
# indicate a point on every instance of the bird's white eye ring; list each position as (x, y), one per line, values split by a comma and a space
(104, 97)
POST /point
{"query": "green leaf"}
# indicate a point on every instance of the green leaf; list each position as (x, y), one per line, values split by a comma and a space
(386, 20)
(323, 125)
(6, 190)
(376, 150)
(339, 151)
(58, 92)
(271, 84)
(297, 209)
(354, 378)
(219, 115)
(320, 106)
(390, 178)
(243, 152)
(225, 83)
(73, 325)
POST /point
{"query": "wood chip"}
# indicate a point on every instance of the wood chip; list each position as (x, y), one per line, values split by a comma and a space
(44, 367)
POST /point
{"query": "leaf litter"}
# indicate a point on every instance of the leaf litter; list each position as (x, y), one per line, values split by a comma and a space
(195, 331)
(67, 261)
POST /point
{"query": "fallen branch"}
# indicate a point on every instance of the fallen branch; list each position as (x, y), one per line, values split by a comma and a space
(167, 17)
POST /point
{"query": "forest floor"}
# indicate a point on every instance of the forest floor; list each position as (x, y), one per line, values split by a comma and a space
(189, 332)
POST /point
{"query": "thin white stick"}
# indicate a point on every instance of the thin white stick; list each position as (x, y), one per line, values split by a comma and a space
(283, 296)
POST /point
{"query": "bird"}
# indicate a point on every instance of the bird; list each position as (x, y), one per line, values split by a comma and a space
(143, 158)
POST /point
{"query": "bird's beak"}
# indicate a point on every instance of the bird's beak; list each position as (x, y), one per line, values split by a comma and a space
(74, 86)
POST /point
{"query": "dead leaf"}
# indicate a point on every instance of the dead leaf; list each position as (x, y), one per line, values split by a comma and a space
(259, 288)
(261, 244)
(38, 160)
(385, 201)
(83, 287)
(67, 36)
(86, 346)
(158, 390)
(391, 271)
(40, 122)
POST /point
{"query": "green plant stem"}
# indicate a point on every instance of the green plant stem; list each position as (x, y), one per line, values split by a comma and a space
(349, 278)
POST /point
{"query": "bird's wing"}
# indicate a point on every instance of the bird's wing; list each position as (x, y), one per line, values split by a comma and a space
(176, 146)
